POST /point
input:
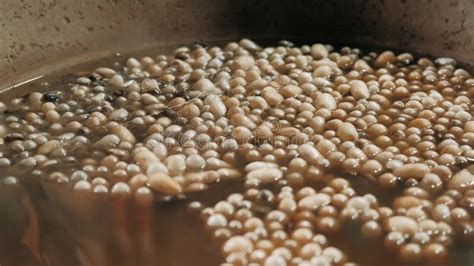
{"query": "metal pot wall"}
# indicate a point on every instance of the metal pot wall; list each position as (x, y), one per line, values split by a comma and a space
(38, 37)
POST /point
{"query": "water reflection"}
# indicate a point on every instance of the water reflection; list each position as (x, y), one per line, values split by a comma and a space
(45, 224)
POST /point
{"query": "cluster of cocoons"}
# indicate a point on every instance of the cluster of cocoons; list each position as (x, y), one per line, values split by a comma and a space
(296, 125)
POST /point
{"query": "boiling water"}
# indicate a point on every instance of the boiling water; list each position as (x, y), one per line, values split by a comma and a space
(48, 224)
